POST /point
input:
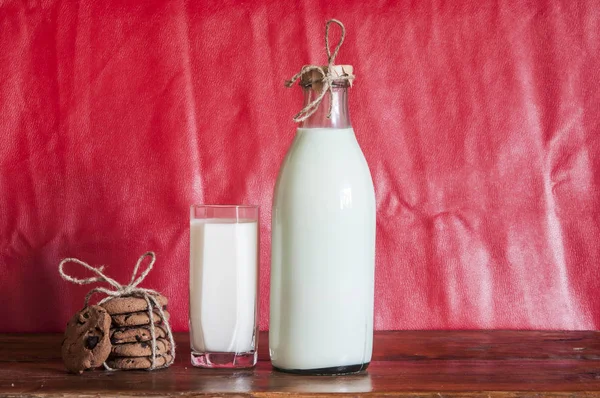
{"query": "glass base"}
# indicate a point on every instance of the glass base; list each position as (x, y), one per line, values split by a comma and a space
(335, 370)
(224, 360)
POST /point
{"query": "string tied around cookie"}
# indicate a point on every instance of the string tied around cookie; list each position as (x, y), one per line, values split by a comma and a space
(130, 290)
(327, 76)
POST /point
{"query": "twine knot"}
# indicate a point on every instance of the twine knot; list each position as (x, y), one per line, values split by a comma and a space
(327, 76)
(129, 290)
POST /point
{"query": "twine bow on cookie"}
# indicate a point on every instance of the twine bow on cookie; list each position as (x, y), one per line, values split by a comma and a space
(130, 290)
(327, 74)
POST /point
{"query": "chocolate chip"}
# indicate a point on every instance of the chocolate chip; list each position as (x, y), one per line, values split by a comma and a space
(138, 338)
(91, 342)
(80, 322)
(86, 315)
(144, 345)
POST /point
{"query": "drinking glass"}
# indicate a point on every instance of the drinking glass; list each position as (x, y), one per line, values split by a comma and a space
(224, 242)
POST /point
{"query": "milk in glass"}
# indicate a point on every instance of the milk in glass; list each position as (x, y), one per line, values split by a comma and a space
(223, 290)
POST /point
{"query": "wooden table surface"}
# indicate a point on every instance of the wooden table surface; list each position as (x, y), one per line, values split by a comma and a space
(411, 363)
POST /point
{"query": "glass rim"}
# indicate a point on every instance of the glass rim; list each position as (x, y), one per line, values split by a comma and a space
(195, 206)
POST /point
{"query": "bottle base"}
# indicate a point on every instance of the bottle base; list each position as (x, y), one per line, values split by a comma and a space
(335, 370)
(224, 360)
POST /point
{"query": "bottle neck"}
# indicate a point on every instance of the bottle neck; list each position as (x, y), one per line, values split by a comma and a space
(340, 118)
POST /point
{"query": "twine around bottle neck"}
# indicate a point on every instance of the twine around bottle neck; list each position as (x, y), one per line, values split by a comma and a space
(328, 77)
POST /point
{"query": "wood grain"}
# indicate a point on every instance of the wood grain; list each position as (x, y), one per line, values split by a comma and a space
(415, 363)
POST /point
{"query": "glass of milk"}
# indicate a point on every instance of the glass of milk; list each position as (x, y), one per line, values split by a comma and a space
(224, 286)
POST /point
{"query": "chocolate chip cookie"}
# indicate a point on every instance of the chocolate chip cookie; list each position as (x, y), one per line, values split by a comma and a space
(137, 319)
(138, 362)
(126, 305)
(87, 339)
(142, 349)
(135, 334)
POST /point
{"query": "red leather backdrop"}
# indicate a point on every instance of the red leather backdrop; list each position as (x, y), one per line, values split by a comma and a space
(480, 122)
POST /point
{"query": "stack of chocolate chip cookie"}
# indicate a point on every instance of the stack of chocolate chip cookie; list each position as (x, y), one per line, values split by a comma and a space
(130, 333)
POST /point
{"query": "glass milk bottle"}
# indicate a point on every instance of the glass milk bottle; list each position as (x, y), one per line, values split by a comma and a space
(323, 242)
